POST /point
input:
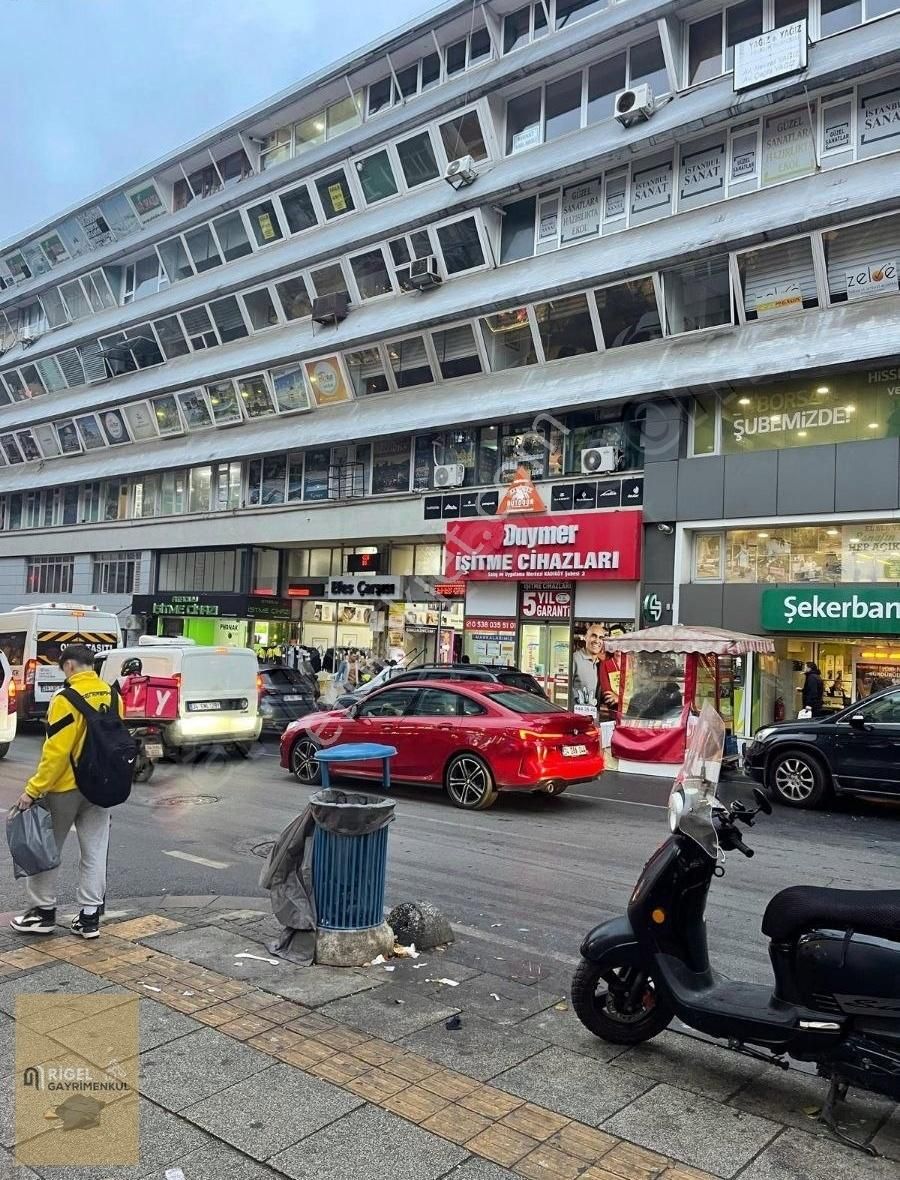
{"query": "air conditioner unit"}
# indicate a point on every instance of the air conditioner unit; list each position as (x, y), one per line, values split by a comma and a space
(331, 309)
(595, 460)
(423, 273)
(461, 172)
(635, 105)
(449, 475)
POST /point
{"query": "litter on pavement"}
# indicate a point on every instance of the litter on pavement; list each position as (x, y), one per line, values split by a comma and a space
(448, 982)
(406, 952)
(259, 958)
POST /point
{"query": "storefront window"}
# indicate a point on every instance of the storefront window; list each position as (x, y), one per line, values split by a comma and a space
(654, 688)
(804, 553)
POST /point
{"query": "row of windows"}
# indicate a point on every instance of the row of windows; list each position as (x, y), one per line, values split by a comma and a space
(481, 456)
(111, 573)
(398, 167)
(830, 267)
(458, 246)
(807, 553)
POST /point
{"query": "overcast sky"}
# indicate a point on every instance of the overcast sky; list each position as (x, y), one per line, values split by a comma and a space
(90, 90)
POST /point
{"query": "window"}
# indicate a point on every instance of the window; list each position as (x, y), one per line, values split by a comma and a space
(697, 295)
(274, 471)
(49, 575)
(199, 329)
(329, 279)
(523, 121)
(76, 300)
(223, 402)
(457, 352)
(260, 309)
(568, 11)
(195, 410)
(366, 371)
(199, 488)
(462, 136)
(228, 318)
(837, 15)
(524, 25)
(116, 573)
(409, 362)
(91, 434)
(562, 106)
(517, 230)
(335, 195)
(290, 389)
(232, 236)
(142, 278)
(646, 63)
(255, 396)
(438, 702)
(203, 248)
(175, 260)
(460, 245)
(884, 711)
(742, 21)
(371, 274)
(168, 420)
(417, 159)
(522, 702)
(264, 223)
(277, 148)
(778, 279)
(628, 313)
(293, 297)
(298, 209)
(381, 94)
(508, 339)
(565, 327)
(54, 308)
(171, 337)
(861, 260)
(141, 421)
(705, 56)
(343, 115)
(393, 702)
(605, 80)
(308, 133)
(376, 177)
(390, 466)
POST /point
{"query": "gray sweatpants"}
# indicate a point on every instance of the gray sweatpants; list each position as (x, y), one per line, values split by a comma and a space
(91, 824)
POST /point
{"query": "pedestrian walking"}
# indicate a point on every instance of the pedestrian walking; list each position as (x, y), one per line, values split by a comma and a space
(86, 767)
(813, 692)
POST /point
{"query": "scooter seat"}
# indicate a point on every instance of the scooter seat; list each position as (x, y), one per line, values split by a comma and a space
(805, 907)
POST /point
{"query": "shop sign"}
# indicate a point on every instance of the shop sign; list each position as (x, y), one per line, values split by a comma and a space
(95, 226)
(834, 610)
(596, 546)
(743, 157)
(213, 606)
(521, 495)
(488, 626)
(702, 172)
(878, 278)
(652, 608)
(778, 299)
(770, 55)
(265, 606)
(529, 137)
(879, 116)
(450, 589)
(367, 588)
(788, 147)
(147, 202)
(651, 188)
(546, 604)
(581, 211)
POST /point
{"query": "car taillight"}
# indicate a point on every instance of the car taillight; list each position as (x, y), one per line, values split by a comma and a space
(259, 686)
(12, 696)
(29, 673)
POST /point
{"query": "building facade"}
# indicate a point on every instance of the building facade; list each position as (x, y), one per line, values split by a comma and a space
(281, 382)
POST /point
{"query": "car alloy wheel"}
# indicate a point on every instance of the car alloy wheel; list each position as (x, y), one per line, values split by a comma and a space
(303, 762)
(469, 783)
(798, 781)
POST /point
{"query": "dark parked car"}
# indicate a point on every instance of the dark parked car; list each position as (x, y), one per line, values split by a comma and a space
(855, 751)
(485, 673)
(284, 695)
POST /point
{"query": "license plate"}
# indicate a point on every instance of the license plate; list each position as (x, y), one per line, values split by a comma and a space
(203, 706)
(574, 751)
(153, 749)
(298, 698)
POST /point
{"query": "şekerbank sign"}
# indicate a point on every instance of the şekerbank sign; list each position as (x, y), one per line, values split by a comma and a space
(838, 610)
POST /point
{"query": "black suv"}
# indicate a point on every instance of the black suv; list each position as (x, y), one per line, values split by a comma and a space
(498, 675)
(855, 751)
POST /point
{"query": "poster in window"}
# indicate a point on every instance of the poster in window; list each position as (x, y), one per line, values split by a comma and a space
(743, 158)
(836, 128)
(581, 211)
(337, 198)
(390, 466)
(779, 298)
(95, 226)
(68, 437)
(651, 188)
(90, 432)
(879, 118)
(54, 249)
(114, 427)
(874, 278)
(548, 220)
(290, 390)
(327, 381)
(708, 557)
(870, 552)
(596, 673)
(702, 172)
(29, 448)
(526, 138)
(147, 202)
(315, 474)
(789, 149)
(614, 205)
(168, 420)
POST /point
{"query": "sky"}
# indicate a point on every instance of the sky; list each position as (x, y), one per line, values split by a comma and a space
(91, 90)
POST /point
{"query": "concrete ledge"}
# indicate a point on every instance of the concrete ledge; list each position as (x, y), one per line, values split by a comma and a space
(353, 948)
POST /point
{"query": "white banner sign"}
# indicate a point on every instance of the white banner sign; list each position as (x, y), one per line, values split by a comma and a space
(580, 211)
(788, 147)
(702, 172)
(770, 55)
(879, 116)
(780, 298)
(878, 278)
(651, 188)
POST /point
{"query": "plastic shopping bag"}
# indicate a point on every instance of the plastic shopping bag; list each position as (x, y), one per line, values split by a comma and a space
(32, 844)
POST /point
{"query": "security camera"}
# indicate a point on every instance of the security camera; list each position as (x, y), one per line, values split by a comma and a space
(665, 529)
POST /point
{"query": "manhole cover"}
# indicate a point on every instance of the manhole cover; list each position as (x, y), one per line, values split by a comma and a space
(263, 849)
(253, 846)
(182, 800)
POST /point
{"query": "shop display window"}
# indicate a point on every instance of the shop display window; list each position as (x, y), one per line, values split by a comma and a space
(654, 688)
(868, 552)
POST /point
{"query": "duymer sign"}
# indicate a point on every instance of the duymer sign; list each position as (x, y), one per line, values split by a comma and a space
(837, 610)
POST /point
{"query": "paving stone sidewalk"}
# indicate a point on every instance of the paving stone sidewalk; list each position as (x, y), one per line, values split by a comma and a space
(251, 1069)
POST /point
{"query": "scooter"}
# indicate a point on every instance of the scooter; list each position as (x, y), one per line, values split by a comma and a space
(835, 954)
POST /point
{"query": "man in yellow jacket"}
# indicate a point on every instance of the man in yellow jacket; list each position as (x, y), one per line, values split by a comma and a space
(54, 784)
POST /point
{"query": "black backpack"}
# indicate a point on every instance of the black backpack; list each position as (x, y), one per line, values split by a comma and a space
(104, 771)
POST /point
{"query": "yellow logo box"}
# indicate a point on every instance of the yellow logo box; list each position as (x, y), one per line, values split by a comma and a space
(76, 1082)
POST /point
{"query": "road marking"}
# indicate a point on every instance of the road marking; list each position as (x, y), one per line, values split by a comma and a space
(198, 860)
(610, 799)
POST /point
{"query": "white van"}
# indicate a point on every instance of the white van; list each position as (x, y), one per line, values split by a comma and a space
(8, 717)
(218, 689)
(33, 637)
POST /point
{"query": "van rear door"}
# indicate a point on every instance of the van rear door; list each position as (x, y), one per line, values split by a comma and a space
(219, 693)
(54, 632)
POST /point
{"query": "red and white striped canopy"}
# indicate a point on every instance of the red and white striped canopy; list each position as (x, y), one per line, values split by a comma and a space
(677, 637)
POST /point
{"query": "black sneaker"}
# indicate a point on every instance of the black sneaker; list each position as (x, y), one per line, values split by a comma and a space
(87, 925)
(35, 921)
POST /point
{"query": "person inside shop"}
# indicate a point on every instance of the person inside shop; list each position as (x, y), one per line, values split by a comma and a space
(813, 691)
(836, 689)
(353, 669)
(592, 670)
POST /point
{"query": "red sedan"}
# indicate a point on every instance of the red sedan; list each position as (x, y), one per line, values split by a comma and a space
(474, 739)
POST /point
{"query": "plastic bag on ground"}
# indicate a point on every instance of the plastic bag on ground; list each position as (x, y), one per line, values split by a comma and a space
(32, 844)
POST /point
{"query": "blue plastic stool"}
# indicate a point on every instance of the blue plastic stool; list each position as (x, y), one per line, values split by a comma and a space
(357, 752)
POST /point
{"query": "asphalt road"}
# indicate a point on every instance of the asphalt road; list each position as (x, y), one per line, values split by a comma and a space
(530, 876)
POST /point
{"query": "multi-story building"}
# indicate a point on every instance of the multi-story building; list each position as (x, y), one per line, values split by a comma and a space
(303, 376)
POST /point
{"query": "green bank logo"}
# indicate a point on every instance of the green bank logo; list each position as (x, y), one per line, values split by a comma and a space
(837, 610)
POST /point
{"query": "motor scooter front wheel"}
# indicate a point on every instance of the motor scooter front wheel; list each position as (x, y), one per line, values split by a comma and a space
(618, 1003)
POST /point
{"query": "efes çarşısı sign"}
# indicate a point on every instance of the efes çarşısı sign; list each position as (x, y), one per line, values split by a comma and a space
(599, 546)
(838, 610)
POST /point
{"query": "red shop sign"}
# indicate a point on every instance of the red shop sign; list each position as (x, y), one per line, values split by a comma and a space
(489, 626)
(546, 604)
(594, 546)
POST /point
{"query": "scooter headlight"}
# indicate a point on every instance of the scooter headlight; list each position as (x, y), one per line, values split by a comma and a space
(676, 810)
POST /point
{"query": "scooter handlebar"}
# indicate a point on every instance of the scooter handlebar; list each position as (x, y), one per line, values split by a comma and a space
(738, 843)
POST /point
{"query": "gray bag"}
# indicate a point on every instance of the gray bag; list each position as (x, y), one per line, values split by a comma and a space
(32, 844)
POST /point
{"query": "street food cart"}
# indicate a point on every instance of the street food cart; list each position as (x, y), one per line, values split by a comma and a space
(668, 673)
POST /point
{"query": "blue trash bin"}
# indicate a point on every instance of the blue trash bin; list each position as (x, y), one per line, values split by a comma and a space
(350, 858)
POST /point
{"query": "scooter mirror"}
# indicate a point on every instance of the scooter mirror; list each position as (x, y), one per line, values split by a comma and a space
(762, 800)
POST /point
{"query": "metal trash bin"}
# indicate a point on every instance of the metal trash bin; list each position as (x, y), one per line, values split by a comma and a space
(350, 858)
